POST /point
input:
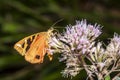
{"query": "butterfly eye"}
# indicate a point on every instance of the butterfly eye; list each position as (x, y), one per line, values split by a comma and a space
(37, 56)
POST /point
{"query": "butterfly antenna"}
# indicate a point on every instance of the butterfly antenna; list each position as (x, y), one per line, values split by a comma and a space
(52, 29)
(56, 22)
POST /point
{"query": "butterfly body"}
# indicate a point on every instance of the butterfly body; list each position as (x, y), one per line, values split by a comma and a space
(35, 47)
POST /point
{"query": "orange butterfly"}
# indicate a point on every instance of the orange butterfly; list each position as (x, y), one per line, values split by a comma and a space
(35, 47)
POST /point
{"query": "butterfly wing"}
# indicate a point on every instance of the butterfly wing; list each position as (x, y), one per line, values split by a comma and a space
(33, 47)
(37, 51)
(23, 45)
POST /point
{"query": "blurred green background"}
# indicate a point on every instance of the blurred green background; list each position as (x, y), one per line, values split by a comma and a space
(20, 18)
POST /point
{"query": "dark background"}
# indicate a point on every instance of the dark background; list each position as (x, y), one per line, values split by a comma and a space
(20, 18)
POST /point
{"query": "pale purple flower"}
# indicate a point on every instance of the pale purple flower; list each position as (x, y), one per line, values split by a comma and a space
(77, 43)
(113, 48)
(105, 61)
(74, 42)
(98, 58)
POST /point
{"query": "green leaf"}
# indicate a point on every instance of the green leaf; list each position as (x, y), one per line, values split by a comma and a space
(107, 77)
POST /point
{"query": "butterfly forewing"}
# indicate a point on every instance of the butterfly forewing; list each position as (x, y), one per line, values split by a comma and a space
(37, 51)
(34, 47)
(23, 45)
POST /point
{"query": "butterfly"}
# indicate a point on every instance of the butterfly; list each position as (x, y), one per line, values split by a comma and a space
(35, 47)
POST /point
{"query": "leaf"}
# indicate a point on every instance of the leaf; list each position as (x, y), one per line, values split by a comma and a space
(107, 77)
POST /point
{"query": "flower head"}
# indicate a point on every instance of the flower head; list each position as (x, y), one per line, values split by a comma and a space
(77, 40)
(113, 48)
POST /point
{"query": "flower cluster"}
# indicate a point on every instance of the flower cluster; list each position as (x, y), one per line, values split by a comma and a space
(105, 61)
(77, 43)
(113, 49)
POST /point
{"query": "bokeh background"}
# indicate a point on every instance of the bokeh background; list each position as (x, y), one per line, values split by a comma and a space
(20, 18)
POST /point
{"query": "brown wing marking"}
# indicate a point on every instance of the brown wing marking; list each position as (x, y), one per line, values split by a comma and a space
(23, 45)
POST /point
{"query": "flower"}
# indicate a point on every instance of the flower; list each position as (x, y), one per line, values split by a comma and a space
(98, 60)
(113, 53)
(113, 48)
(73, 43)
(105, 60)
